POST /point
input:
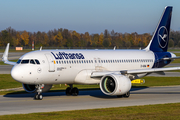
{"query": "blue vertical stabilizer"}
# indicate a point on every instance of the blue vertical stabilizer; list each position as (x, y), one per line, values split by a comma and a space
(160, 39)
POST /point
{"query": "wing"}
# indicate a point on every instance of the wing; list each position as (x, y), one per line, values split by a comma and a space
(5, 56)
(137, 71)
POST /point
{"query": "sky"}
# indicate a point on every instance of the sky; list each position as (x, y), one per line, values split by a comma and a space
(93, 16)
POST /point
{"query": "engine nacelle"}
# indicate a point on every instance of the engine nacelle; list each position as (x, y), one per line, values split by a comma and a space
(32, 88)
(115, 84)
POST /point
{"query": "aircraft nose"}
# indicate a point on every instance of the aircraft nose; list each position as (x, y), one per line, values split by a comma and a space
(15, 73)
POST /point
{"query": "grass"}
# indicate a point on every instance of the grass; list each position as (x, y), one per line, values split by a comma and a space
(8, 82)
(146, 112)
(171, 50)
(176, 60)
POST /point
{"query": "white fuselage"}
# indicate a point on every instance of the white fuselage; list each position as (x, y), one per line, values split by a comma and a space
(76, 66)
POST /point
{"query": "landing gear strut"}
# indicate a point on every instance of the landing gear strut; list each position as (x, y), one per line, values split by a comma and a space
(72, 91)
(38, 95)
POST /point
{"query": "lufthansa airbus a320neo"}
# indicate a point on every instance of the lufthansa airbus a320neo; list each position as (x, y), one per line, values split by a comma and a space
(113, 70)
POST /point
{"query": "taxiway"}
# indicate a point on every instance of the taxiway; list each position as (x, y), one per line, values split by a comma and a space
(58, 101)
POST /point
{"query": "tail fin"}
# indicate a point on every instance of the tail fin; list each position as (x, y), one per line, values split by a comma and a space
(160, 39)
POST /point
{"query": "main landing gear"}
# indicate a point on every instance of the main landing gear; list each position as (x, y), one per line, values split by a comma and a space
(72, 91)
(125, 95)
(38, 95)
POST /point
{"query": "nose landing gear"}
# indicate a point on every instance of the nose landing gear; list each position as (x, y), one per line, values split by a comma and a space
(38, 95)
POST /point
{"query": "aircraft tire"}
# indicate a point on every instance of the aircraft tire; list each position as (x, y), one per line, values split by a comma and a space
(38, 97)
(75, 91)
(68, 91)
(127, 94)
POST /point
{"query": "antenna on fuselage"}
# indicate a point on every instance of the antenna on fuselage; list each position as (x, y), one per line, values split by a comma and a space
(40, 48)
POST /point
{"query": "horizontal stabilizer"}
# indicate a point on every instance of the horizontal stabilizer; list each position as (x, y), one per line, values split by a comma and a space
(171, 58)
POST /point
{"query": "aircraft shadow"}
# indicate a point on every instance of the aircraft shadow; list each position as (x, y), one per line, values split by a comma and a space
(94, 93)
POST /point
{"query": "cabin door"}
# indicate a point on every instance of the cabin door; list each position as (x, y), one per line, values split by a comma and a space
(50, 62)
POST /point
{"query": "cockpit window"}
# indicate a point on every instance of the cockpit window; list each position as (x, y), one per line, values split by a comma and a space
(19, 61)
(37, 61)
(24, 61)
(32, 62)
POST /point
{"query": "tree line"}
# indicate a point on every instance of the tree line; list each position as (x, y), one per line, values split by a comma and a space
(65, 38)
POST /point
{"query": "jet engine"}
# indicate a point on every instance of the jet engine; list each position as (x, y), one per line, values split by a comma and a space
(32, 88)
(115, 84)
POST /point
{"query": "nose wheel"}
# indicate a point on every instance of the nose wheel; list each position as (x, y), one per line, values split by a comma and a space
(72, 91)
(38, 95)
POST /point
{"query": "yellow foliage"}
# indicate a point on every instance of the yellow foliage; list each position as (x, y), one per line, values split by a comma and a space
(25, 37)
(101, 39)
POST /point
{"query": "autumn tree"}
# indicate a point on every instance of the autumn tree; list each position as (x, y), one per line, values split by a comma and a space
(46, 39)
(76, 39)
(25, 37)
(100, 40)
(59, 39)
(88, 40)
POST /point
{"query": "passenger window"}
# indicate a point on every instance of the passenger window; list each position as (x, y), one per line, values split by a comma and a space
(37, 61)
(24, 61)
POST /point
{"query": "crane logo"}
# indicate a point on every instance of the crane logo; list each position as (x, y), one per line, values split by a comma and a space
(162, 36)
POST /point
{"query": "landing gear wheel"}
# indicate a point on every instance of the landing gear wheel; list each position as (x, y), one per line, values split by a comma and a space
(38, 97)
(72, 91)
(68, 91)
(35, 96)
(75, 91)
(127, 94)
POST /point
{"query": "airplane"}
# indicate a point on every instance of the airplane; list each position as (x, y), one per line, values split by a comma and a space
(112, 69)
